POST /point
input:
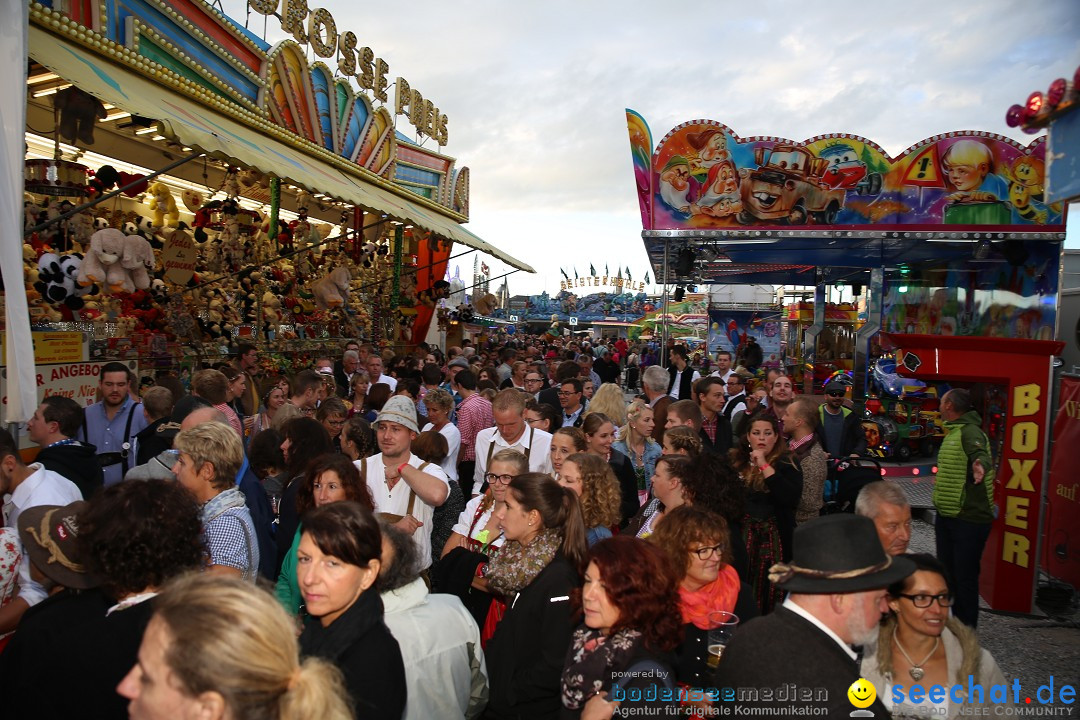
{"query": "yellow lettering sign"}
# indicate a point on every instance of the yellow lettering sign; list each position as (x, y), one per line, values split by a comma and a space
(347, 48)
(1026, 400)
(1016, 511)
(263, 7)
(1014, 549)
(1025, 437)
(292, 19)
(322, 31)
(1021, 475)
(402, 95)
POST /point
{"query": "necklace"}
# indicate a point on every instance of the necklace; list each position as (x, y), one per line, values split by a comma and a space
(915, 671)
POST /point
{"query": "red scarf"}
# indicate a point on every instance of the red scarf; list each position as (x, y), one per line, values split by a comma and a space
(720, 594)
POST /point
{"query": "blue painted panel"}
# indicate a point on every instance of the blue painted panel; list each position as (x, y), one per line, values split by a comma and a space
(323, 85)
(119, 10)
(357, 120)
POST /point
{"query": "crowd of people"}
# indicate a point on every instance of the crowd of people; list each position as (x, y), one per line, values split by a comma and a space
(508, 531)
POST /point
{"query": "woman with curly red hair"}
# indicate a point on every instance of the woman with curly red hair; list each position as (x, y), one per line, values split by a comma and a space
(632, 623)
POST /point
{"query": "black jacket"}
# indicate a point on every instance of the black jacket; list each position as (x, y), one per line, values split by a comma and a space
(781, 497)
(854, 437)
(723, 437)
(154, 439)
(361, 646)
(783, 650)
(68, 636)
(77, 462)
(262, 516)
(624, 472)
(525, 656)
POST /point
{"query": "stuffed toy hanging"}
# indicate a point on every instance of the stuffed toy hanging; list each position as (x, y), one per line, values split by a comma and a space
(79, 110)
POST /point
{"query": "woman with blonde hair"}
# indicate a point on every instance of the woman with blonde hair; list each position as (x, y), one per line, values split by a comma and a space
(594, 482)
(358, 390)
(218, 647)
(609, 400)
(635, 442)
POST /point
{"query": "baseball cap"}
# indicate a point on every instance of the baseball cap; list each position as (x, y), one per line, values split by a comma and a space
(459, 362)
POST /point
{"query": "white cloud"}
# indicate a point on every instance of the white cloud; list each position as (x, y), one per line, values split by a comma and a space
(535, 91)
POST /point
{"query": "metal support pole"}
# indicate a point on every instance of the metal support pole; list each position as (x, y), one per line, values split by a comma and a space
(810, 336)
(663, 320)
(866, 333)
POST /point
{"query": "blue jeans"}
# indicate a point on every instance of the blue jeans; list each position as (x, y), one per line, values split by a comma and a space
(960, 546)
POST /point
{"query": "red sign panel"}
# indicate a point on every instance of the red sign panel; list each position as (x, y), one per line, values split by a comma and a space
(1010, 560)
(1061, 543)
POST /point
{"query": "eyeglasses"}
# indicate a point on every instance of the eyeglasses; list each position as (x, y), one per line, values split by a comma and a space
(924, 601)
(492, 478)
(704, 553)
(568, 394)
(534, 380)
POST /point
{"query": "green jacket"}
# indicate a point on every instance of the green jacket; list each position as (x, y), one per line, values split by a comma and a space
(955, 493)
(288, 589)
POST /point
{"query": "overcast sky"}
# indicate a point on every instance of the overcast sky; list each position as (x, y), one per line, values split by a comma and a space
(536, 92)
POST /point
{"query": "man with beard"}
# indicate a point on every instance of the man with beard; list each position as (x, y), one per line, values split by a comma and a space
(836, 580)
(113, 422)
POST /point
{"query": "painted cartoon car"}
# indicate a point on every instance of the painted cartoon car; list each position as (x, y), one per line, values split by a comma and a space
(787, 186)
(847, 172)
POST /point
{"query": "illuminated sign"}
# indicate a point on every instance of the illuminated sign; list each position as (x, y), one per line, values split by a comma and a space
(620, 284)
(318, 29)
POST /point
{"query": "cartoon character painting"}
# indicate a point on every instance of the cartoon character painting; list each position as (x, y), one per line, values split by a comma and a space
(977, 191)
(678, 189)
(711, 147)
(702, 175)
(720, 197)
(846, 171)
(787, 186)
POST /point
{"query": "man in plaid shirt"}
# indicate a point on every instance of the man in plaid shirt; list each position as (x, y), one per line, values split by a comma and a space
(473, 415)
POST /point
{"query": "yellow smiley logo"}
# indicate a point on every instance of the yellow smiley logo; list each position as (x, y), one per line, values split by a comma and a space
(862, 693)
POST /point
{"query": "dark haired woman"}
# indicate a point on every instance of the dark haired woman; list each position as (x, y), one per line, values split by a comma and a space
(330, 478)
(272, 397)
(774, 484)
(358, 439)
(377, 396)
(600, 434)
(631, 613)
(920, 644)
(304, 440)
(537, 569)
(135, 537)
(338, 561)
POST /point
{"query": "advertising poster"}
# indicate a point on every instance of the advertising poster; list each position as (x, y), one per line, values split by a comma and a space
(729, 330)
(78, 381)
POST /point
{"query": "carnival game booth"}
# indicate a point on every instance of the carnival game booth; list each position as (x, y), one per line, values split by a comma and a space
(953, 237)
(275, 200)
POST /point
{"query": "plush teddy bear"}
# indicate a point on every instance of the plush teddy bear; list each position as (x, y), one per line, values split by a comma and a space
(56, 280)
(78, 111)
(163, 205)
(138, 260)
(332, 290)
(102, 263)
